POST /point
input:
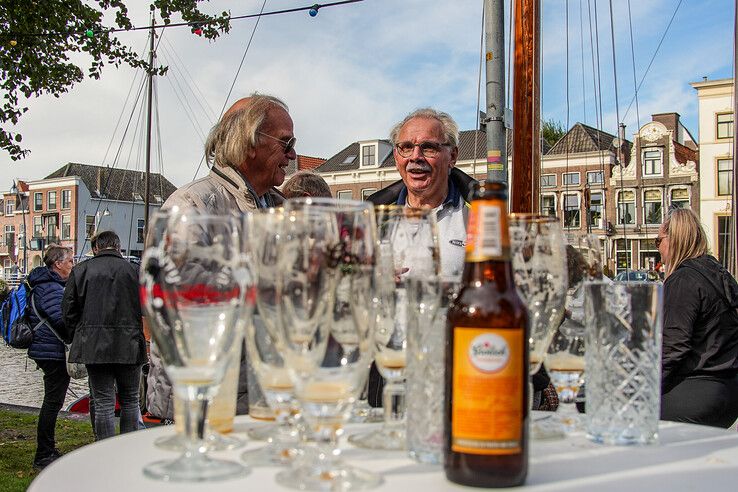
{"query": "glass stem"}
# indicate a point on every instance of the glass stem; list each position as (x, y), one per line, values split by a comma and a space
(196, 401)
(393, 401)
(326, 440)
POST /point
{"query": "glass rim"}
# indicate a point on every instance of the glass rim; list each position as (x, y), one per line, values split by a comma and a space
(327, 203)
(532, 217)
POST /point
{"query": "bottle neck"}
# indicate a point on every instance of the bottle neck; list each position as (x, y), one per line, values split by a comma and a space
(488, 236)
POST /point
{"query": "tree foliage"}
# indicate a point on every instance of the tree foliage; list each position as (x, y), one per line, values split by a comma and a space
(552, 131)
(39, 40)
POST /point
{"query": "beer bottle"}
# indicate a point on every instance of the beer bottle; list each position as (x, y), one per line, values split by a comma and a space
(486, 407)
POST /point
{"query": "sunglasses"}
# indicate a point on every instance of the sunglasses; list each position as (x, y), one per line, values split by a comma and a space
(428, 149)
(288, 145)
(658, 241)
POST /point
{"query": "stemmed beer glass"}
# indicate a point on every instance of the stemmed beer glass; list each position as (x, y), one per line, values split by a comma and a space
(539, 265)
(565, 357)
(327, 257)
(408, 274)
(193, 289)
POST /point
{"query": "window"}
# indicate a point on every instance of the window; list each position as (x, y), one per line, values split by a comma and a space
(51, 200)
(648, 254)
(595, 209)
(349, 159)
(626, 207)
(38, 227)
(366, 192)
(571, 210)
(679, 198)
(66, 228)
(571, 178)
(368, 155)
(344, 195)
(595, 177)
(623, 251)
(51, 225)
(66, 199)
(652, 206)
(38, 202)
(724, 125)
(548, 180)
(548, 205)
(652, 163)
(89, 226)
(9, 236)
(725, 224)
(9, 206)
(140, 226)
(725, 176)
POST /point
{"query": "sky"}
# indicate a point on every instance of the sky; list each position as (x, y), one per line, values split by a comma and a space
(353, 70)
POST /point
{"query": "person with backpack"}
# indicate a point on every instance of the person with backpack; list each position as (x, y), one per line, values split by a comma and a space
(47, 288)
(699, 378)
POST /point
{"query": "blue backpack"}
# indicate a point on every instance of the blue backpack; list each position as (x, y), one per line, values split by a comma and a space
(13, 308)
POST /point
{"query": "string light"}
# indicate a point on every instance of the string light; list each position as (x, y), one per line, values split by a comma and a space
(312, 10)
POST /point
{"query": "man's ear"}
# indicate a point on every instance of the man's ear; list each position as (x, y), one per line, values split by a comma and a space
(454, 155)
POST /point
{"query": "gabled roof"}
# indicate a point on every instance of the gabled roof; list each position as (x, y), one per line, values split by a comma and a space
(583, 138)
(348, 159)
(116, 184)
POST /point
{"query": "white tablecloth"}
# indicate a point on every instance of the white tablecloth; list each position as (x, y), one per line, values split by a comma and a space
(688, 458)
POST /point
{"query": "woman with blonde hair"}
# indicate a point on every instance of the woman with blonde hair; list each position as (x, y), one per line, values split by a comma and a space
(699, 379)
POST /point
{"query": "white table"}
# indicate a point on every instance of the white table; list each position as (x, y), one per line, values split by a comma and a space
(688, 458)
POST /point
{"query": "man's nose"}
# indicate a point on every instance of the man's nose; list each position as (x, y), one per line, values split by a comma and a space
(417, 154)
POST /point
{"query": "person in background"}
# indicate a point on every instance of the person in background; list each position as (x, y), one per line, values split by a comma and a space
(46, 350)
(306, 183)
(699, 374)
(102, 316)
(248, 152)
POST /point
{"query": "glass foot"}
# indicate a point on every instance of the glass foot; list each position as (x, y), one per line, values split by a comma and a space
(546, 429)
(214, 441)
(339, 478)
(384, 438)
(262, 432)
(273, 454)
(189, 469)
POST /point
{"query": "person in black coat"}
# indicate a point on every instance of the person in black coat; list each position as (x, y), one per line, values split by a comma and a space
(699, 379)
(46, 349)
(102, 316)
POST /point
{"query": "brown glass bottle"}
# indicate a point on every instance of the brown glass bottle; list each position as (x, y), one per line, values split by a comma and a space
(486, 411)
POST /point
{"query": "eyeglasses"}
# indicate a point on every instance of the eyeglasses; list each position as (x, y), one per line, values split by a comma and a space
(288, 145)
(658, 240)
(428, 149)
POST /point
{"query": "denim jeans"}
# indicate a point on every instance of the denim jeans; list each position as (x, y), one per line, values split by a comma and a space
(103, 379)
(56, 382)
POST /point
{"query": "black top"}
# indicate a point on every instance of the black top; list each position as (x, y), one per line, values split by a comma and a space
(700, 322)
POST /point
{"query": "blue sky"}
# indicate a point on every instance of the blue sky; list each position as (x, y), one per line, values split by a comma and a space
(352, 71)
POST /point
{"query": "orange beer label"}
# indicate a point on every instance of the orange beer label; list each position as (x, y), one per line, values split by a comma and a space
(487, 391)
(486, 236)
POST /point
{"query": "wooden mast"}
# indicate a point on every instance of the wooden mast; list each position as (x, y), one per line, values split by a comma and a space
(526, 108)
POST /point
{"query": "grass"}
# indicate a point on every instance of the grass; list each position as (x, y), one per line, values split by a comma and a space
(18, 445)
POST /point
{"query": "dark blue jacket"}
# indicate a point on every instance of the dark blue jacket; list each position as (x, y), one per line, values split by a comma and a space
(48, 289)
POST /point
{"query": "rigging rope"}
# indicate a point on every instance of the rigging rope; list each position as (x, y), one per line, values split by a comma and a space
(235, 78)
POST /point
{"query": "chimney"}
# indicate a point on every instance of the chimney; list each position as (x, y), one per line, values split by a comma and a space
(669, 120)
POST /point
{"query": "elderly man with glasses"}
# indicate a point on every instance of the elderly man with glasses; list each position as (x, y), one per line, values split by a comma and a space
(248, 151)
(425, 151)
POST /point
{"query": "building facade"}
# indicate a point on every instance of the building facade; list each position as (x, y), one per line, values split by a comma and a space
(69, 206)
(715, 110)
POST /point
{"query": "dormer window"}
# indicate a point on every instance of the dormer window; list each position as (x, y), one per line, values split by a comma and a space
(369, 155)
(652, 162)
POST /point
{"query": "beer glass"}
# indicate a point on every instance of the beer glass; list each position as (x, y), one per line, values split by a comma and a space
(194, 285)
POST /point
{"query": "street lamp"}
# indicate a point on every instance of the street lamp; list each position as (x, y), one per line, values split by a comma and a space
(99, 215)
(14, 190)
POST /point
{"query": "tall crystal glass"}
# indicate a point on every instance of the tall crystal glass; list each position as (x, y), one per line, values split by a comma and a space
(262, 339)
(194, 286)
(539, 265)
(327, 256)
(565, 358)
(408, 275)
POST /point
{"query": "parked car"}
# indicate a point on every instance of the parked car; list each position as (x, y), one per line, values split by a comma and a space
(637, 276)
